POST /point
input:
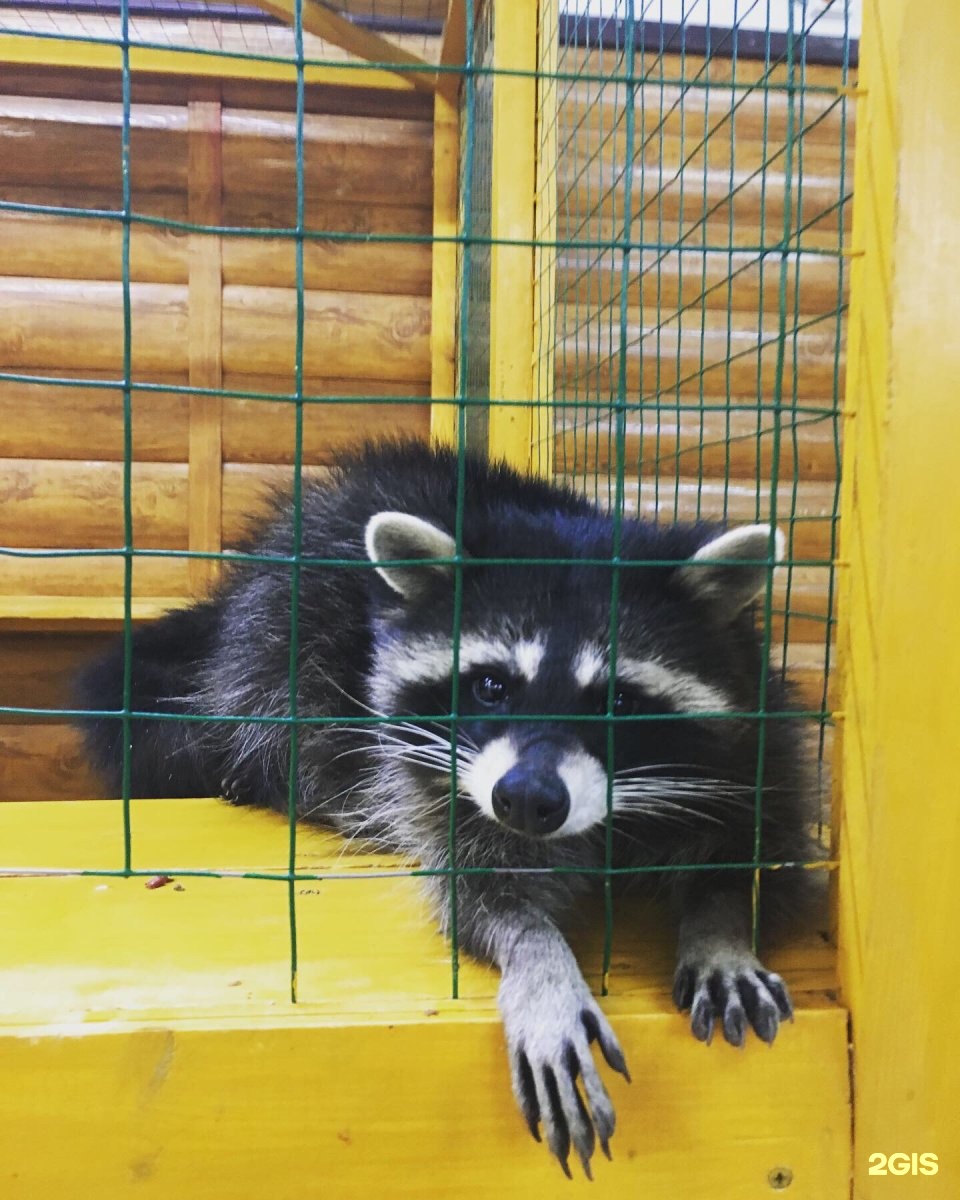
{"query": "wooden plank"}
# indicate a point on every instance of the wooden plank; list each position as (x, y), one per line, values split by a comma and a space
(205, 463)
(43, 761)
(38, 667)
(358, 159)
(37, 613)
(445, 302)
(72, 324)
(700, 356)
(546, 295)
(346, 336)
(453, 51)
(21, 49)
(899, 823)
(262, 431)
(42, 246)
(186, 996)
(730, 281)
(77, 143)
(62, 505)
(513, 195)
(54, 582)
(41, 420)
(664, 444)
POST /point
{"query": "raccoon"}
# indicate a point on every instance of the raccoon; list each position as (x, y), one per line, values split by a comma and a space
(611, 688)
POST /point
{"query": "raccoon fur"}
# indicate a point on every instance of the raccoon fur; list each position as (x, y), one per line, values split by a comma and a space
(376, 638)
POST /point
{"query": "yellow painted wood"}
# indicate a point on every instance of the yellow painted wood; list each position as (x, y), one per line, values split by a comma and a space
(23, 50)
(543, 357)
(83, 613)
(443, 314)
(147, 1041)
(320, 20)
(512, 218)
(453, 50)
(899, 833)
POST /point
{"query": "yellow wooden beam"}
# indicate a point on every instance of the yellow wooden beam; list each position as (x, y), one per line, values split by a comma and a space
(512, 218)
(323, 22)
(87, 614)
(900, 824)
(443, 313)
(147, 1040)
(543, 358)
(19, 50)
(453, 50)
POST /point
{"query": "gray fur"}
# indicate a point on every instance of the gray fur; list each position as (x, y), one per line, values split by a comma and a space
(376, 640)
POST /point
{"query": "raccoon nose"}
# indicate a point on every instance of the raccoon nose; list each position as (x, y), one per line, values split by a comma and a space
(532, 802)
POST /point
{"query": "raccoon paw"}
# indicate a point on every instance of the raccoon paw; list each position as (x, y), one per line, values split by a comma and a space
(554, 1076)
(733, 988)
(231, 790)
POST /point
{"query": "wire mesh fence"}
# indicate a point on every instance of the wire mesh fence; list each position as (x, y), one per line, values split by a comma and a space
(689, 257)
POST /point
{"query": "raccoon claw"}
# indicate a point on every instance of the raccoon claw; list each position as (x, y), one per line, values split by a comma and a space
(556, 1081)
(735, 991)
(230, 791)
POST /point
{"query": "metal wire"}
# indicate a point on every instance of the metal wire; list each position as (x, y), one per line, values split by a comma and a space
(691, 307)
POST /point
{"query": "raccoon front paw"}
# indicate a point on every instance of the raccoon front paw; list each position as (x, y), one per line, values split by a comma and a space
(733, 988)
(554, 1076)
(231, 790)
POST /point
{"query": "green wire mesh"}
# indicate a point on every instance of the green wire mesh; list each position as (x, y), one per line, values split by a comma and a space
(691, 299)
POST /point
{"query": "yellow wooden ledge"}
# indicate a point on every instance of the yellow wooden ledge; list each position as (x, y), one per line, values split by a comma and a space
(87, 614)
(148, 1045)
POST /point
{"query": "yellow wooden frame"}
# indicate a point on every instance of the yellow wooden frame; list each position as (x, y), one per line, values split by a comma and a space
(898, 823)
(24, 50)
(543, 349)
(148, 1044)
(513, 189)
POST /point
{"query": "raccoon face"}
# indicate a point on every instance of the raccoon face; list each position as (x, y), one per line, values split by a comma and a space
(545, 743)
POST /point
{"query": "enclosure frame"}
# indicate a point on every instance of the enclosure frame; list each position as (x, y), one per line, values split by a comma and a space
(895, 893)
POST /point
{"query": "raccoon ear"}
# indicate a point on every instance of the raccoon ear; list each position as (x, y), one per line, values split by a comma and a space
(399, 536)
(731, 570)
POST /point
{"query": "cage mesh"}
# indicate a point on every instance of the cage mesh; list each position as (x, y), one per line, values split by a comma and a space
(692, 196)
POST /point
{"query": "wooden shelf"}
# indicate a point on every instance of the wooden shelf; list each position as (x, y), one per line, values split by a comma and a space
(80, 614)
(147, 1035)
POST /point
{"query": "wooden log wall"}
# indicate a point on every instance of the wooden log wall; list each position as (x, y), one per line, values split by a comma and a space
(219, 311)
(712, 175)
(207, 311)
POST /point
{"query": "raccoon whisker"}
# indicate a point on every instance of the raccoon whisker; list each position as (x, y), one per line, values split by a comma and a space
(664, 810)
(697, 802)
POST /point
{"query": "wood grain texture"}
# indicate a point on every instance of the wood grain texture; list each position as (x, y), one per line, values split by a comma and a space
(185, 993)
(205, 298)
(76, 143)
(59, 324)
(40, 420)
(898, 822)
(42, 761)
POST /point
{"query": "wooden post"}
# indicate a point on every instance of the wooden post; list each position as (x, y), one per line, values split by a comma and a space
(543, 356)
(443, 323)
(512, 218)
(205, 186)
(899, 827)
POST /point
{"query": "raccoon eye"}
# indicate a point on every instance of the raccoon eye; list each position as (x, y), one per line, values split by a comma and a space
(490, 689)
(625, 704)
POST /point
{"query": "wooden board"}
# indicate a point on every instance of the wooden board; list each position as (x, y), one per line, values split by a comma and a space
(147, 1039)
(898, 822)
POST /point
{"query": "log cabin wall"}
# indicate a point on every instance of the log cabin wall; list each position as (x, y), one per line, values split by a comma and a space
(208, 312)
(723, 154)
(212, 311)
